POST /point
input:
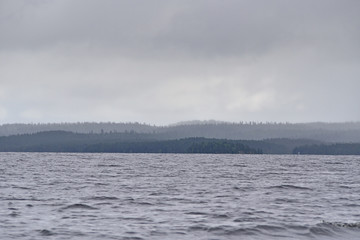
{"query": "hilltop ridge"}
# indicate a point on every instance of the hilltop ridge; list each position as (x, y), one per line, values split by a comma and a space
(327, 132)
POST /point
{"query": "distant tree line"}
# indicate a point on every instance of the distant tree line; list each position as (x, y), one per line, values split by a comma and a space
(332, 149)
(325, 132)
(222, 146)
(130, 142)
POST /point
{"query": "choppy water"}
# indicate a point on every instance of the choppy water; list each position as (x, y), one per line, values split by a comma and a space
(169, 196)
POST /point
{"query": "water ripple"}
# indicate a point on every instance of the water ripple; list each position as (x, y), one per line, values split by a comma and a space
(177, 197)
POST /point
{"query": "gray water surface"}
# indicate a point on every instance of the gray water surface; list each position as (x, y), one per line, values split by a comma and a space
(178, 196)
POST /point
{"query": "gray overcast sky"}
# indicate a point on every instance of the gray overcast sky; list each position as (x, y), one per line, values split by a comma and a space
(164, 61)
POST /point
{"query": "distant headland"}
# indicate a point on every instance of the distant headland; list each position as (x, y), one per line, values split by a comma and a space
(185, 137)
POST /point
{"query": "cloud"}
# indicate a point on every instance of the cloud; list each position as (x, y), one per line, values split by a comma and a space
(32, 114)
(197, 28)
(3, 113)
(166, 61)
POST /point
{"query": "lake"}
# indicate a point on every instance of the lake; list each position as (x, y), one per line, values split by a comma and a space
(178, 196)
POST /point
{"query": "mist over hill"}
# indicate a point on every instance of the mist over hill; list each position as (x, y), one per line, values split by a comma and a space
(325, 132)
(78, 127)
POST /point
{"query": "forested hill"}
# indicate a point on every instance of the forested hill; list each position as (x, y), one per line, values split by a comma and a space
(59, 141)
(132, 142)
(329, 149)
(326, 132)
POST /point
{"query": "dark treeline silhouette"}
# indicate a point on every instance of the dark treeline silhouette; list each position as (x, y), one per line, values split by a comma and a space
(130, 142)
(329, 149)
(325, 132)
(279, 145)
(187, 145)
(61, 141)
(221, 146)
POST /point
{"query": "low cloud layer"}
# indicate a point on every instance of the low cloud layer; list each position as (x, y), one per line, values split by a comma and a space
(168, 61)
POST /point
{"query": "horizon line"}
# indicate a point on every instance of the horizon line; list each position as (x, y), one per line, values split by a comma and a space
(181, 123)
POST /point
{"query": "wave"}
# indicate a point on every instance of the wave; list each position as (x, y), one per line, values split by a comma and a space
(79, 206)
(343, 224)
(324, 230)
(45, 232)
(109, 165)
(101, 198)
(289, 186)
(196, 213)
